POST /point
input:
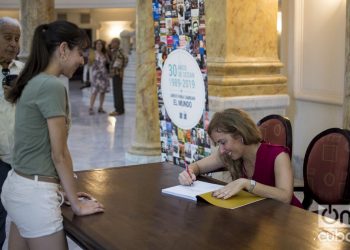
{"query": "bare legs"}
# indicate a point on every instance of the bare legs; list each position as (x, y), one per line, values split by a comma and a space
(102, 99)
(16, 242)
(55, 241)
(92, 102)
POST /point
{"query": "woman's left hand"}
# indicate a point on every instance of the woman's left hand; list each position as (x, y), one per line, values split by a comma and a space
(81, 196)
(230, 189)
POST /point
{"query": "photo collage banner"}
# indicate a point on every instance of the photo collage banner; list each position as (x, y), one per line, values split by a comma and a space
(180, 51)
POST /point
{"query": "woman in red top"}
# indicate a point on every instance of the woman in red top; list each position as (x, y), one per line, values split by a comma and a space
(260, 168)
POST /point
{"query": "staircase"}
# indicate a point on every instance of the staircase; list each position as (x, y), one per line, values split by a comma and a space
(129, 81)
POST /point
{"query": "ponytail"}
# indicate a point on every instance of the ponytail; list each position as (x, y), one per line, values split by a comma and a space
(46, 39)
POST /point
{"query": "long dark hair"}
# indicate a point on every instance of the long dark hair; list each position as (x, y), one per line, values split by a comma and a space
(104, 50)
(47, 37)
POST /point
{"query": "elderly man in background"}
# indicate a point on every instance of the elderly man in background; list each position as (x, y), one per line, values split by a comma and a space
(10, 33)
(118, 63)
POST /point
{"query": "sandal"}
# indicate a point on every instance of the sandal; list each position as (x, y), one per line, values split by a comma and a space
(116, 113)
(101, 111)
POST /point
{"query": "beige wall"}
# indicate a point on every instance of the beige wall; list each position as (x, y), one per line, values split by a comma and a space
(315, 68)
(105, 23)
(10, 13)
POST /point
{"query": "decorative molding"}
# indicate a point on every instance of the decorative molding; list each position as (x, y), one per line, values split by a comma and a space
(301, 92)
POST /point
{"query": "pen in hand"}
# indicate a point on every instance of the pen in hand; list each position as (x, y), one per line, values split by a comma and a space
(188, 172)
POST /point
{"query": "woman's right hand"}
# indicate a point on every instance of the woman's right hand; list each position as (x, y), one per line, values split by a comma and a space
(187, 177)
(87, 206)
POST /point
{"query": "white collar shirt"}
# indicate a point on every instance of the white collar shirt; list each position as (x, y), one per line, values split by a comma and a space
(7, 117)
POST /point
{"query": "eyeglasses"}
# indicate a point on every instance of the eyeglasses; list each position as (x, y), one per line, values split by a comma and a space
(5, 72)
(8, 79)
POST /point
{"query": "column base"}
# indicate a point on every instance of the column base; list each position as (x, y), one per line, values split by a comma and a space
(132, 159)
(257, 106)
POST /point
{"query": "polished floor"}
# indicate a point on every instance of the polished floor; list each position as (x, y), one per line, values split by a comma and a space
(99, 140)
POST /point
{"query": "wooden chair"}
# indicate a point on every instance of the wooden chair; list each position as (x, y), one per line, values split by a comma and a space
(276, 129)
(326, 168)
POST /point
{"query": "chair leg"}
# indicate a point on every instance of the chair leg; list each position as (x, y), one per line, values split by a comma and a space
(307, 201)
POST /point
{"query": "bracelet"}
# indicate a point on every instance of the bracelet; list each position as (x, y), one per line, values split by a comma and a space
(252, 186)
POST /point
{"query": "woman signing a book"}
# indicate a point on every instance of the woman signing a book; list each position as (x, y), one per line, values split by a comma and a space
(255, 166)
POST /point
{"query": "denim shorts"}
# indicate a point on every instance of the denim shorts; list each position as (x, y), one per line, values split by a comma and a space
(34, 206)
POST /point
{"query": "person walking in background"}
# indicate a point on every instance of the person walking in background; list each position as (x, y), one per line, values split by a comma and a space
(117, 66)
(10, 33)
(99, 75)
(86, 69)
(41, 158)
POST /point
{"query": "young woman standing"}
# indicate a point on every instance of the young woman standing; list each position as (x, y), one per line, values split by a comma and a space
(41, 159)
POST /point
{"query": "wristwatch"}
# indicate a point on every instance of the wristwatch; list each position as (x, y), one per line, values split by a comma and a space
(252, 186)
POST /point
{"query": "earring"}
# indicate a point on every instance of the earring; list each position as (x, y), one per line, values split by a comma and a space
(242, 140)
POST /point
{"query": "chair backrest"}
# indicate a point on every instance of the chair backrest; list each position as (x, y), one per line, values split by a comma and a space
(276, 129)
(326, 168)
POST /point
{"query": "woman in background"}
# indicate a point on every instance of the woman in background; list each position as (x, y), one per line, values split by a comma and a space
(99, 62)
(260, 168)
(41, 159)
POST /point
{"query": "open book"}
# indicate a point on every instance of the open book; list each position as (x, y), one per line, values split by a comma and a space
(200, 190)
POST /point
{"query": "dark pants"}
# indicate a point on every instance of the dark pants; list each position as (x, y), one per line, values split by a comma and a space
(118, 94)
(4, 169)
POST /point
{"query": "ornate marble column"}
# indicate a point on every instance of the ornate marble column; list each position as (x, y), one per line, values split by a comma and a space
(242, 60)
(146, 144)
(32, 14)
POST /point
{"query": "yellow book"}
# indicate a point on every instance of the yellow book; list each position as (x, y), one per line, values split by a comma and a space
(200, 190)
(241, 199)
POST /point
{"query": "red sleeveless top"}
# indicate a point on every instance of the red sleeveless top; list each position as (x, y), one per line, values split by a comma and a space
(264, 172)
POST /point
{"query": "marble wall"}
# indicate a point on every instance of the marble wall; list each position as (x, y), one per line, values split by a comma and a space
(242, 48)
(33, 13)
